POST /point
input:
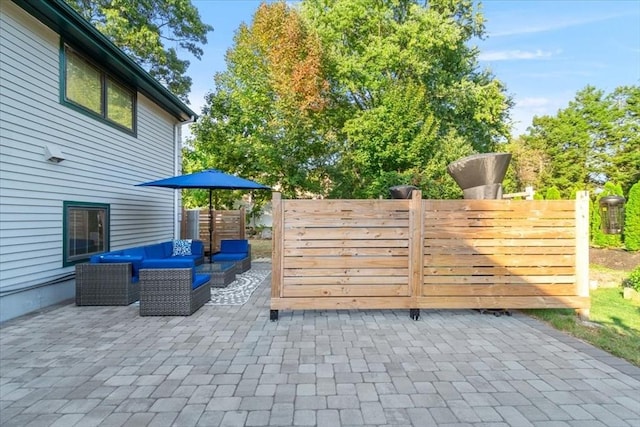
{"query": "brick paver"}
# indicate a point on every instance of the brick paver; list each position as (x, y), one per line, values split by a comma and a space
(231, 366)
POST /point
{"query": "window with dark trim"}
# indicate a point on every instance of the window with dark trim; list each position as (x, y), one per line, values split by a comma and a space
(89, 89)
(85, 231)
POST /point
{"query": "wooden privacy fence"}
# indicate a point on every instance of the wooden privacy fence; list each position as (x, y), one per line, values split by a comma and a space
(227, 224)
(443, 254)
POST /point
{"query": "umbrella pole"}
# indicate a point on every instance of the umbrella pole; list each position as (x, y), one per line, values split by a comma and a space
(210, 227)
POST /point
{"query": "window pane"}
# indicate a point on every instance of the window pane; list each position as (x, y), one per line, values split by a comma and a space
(86, 228)
(119, 104)
(84, 85)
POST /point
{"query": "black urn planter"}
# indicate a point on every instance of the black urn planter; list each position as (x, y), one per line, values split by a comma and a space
(480, 175)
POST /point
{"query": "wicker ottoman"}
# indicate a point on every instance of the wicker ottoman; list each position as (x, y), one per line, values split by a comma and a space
(168, 292)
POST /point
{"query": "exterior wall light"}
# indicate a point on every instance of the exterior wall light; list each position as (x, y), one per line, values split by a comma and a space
(612, 214)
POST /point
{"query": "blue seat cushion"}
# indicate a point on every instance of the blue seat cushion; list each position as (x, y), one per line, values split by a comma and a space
(197, 247)
(194, 257)
(234, 246)
(200, 280)
(154, 251)
(220, 256)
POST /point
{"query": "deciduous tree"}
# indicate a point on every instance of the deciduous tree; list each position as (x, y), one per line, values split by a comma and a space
(149, 31)
(262, 120)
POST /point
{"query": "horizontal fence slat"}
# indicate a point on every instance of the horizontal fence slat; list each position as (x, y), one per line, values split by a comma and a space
(343, 280)
(502, 222)
(500, 250)
(346, 272)
(511, 280)
(345, 262)
(519, 242)
(341, 222)
(345, 205)
(346, 252)
(363, 233)
(444, 271)
(501, 260)
(341, 243)
(499, 233)
(341, 303)
(466, 205)
(354, 290)
(472, 290)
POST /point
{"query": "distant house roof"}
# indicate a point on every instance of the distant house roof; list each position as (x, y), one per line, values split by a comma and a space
(61, 18)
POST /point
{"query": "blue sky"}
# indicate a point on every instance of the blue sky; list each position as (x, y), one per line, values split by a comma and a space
(543, 50)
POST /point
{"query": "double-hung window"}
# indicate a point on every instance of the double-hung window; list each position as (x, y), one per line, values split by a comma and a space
(91, 90)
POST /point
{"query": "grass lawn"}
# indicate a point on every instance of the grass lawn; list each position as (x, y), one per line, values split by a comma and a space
(614, 324)
(260, 248)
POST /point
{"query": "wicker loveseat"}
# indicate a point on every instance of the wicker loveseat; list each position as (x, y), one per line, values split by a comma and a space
(112, 278)
(174, 290)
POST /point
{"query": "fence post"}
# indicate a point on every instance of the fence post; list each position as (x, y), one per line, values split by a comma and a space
(277, 241)
(529, 191)
(415, 244)
(582, 248)
(242, 223)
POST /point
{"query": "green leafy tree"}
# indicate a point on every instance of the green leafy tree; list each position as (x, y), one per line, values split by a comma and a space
(619, 151)
(409, 90)
(596, 139)
(348, 98)
(632, 219)
(526, 165)
(149, 32)
(265, 120)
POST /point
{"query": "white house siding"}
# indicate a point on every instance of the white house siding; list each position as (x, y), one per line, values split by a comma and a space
(102, 165)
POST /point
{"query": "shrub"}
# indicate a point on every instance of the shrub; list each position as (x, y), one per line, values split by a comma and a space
(552, 194)
(633, 281)
(632, 219)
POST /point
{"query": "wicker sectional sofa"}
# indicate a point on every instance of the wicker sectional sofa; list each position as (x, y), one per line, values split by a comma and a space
(113, 278)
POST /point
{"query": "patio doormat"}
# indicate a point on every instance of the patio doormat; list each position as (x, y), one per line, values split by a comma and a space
(239, 291)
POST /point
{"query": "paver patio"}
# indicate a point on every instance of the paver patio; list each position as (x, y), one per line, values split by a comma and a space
(231, 366)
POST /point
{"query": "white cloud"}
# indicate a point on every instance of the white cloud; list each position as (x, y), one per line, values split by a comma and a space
(533, 102)
(511, 55)
(514, 27)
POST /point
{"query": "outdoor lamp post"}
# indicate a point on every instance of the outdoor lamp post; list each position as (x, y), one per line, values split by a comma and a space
(612, 214)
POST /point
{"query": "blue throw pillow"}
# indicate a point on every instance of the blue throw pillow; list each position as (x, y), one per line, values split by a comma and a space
(181, 247)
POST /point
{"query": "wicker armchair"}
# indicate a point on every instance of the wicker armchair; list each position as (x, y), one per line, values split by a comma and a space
(105, 284)
(236, 250)
(169, 292)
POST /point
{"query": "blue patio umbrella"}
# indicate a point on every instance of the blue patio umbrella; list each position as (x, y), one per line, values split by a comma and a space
(211, 179)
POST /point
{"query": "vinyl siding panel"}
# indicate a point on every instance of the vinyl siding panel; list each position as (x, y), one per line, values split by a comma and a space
(102, 164)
